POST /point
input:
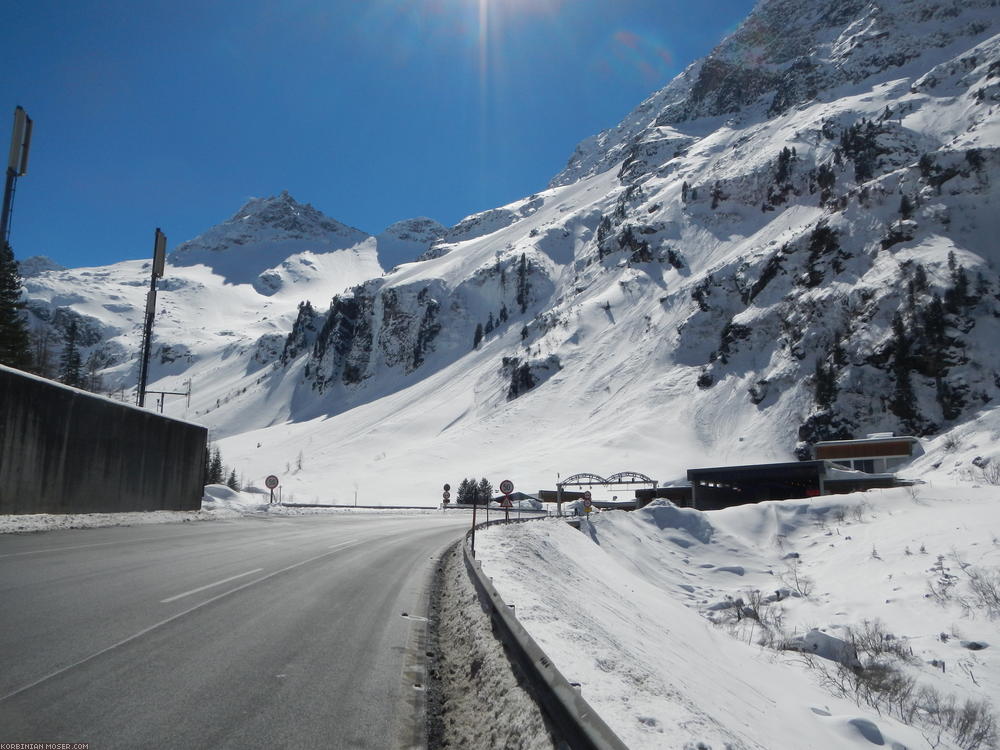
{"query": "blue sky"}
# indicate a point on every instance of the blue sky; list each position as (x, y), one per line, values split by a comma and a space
(173, 113)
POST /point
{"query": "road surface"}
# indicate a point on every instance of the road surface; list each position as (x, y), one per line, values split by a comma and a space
(259, 632)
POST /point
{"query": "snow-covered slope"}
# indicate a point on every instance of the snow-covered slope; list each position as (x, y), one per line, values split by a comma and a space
(791, 241)
(677, 623)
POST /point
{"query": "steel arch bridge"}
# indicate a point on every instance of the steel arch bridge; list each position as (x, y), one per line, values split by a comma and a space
(622, 478)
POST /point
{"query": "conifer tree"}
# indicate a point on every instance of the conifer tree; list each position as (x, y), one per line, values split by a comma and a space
(232, 483)
(70, 363)
(14, 344)
(42, 356)
(903, 402)
(905, 207)
(523, 285)
(825, 384)
(484, 491)
(216, 472)
(466, 492)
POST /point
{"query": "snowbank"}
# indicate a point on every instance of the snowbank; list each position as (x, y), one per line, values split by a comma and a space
(648, 611)
(217, 503)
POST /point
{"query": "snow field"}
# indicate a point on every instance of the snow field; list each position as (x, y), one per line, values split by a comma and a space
(640, 608)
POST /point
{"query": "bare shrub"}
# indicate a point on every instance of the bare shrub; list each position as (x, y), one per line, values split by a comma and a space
(871, 639)
(989, 473)
(755, 614)
(794, 579)
(984, 588)
(975, 726)
(885, 688)
(940, 587)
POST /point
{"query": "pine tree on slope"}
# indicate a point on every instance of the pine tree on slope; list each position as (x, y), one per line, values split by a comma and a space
(15, 348)
(70, 363)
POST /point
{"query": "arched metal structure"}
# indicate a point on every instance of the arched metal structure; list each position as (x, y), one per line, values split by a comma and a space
(586, 479)
(630, 477)
(579, 480)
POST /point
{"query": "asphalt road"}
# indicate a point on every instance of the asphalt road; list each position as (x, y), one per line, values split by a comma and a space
(263, 632)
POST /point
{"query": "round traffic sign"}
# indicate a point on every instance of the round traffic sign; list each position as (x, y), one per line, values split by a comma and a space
(586, 496)
(506, 486)
(271, 482)
(446, 495)
(447, 487)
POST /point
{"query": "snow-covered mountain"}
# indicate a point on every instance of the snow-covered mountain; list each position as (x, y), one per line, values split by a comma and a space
(792, 240)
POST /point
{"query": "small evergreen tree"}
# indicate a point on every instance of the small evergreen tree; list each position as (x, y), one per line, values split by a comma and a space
(523, 285)
(903, 401)
(905, 207)
(206, 464)
(825, 385)
(42, 356)
(70, 363)
(484, 491)
(717, 194)
(216, 471)
(466, 492)
(784, 159)
(477, 337)
(232, 483)
(14, 344)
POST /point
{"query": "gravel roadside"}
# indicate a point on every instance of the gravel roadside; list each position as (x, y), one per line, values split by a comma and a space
(476, 700)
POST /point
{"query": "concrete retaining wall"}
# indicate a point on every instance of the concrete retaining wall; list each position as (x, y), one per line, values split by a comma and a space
(64, 450)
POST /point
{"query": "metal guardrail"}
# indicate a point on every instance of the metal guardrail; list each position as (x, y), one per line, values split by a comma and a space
(573, 718)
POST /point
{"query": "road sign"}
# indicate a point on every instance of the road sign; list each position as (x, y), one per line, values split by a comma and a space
(447, 487)
(506, 503)
(586, 497)
(271, 482)
(446, 495)
(506, 486)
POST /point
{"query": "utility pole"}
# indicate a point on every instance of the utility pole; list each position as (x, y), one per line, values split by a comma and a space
(17, 165)
(159, 259)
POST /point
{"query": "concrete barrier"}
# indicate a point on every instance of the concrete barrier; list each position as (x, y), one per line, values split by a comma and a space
(63, 450)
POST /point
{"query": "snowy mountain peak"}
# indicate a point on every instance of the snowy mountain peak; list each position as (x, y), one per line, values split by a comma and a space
(36, 265)
(283, 212)
(264, 233)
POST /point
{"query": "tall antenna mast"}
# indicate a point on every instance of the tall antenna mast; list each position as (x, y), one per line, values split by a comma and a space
(17, 165)
(159, 259)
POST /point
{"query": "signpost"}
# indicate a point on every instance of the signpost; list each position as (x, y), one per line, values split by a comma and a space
(586, 502)
(473, 539)
(447, 494)
(271, 482)
(506, 487)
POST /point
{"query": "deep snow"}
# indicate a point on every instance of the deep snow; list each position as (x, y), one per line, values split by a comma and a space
(627, 606)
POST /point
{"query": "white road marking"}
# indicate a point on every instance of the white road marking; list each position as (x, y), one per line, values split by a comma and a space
(84, 546)
(209, 585)
(170, 619)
